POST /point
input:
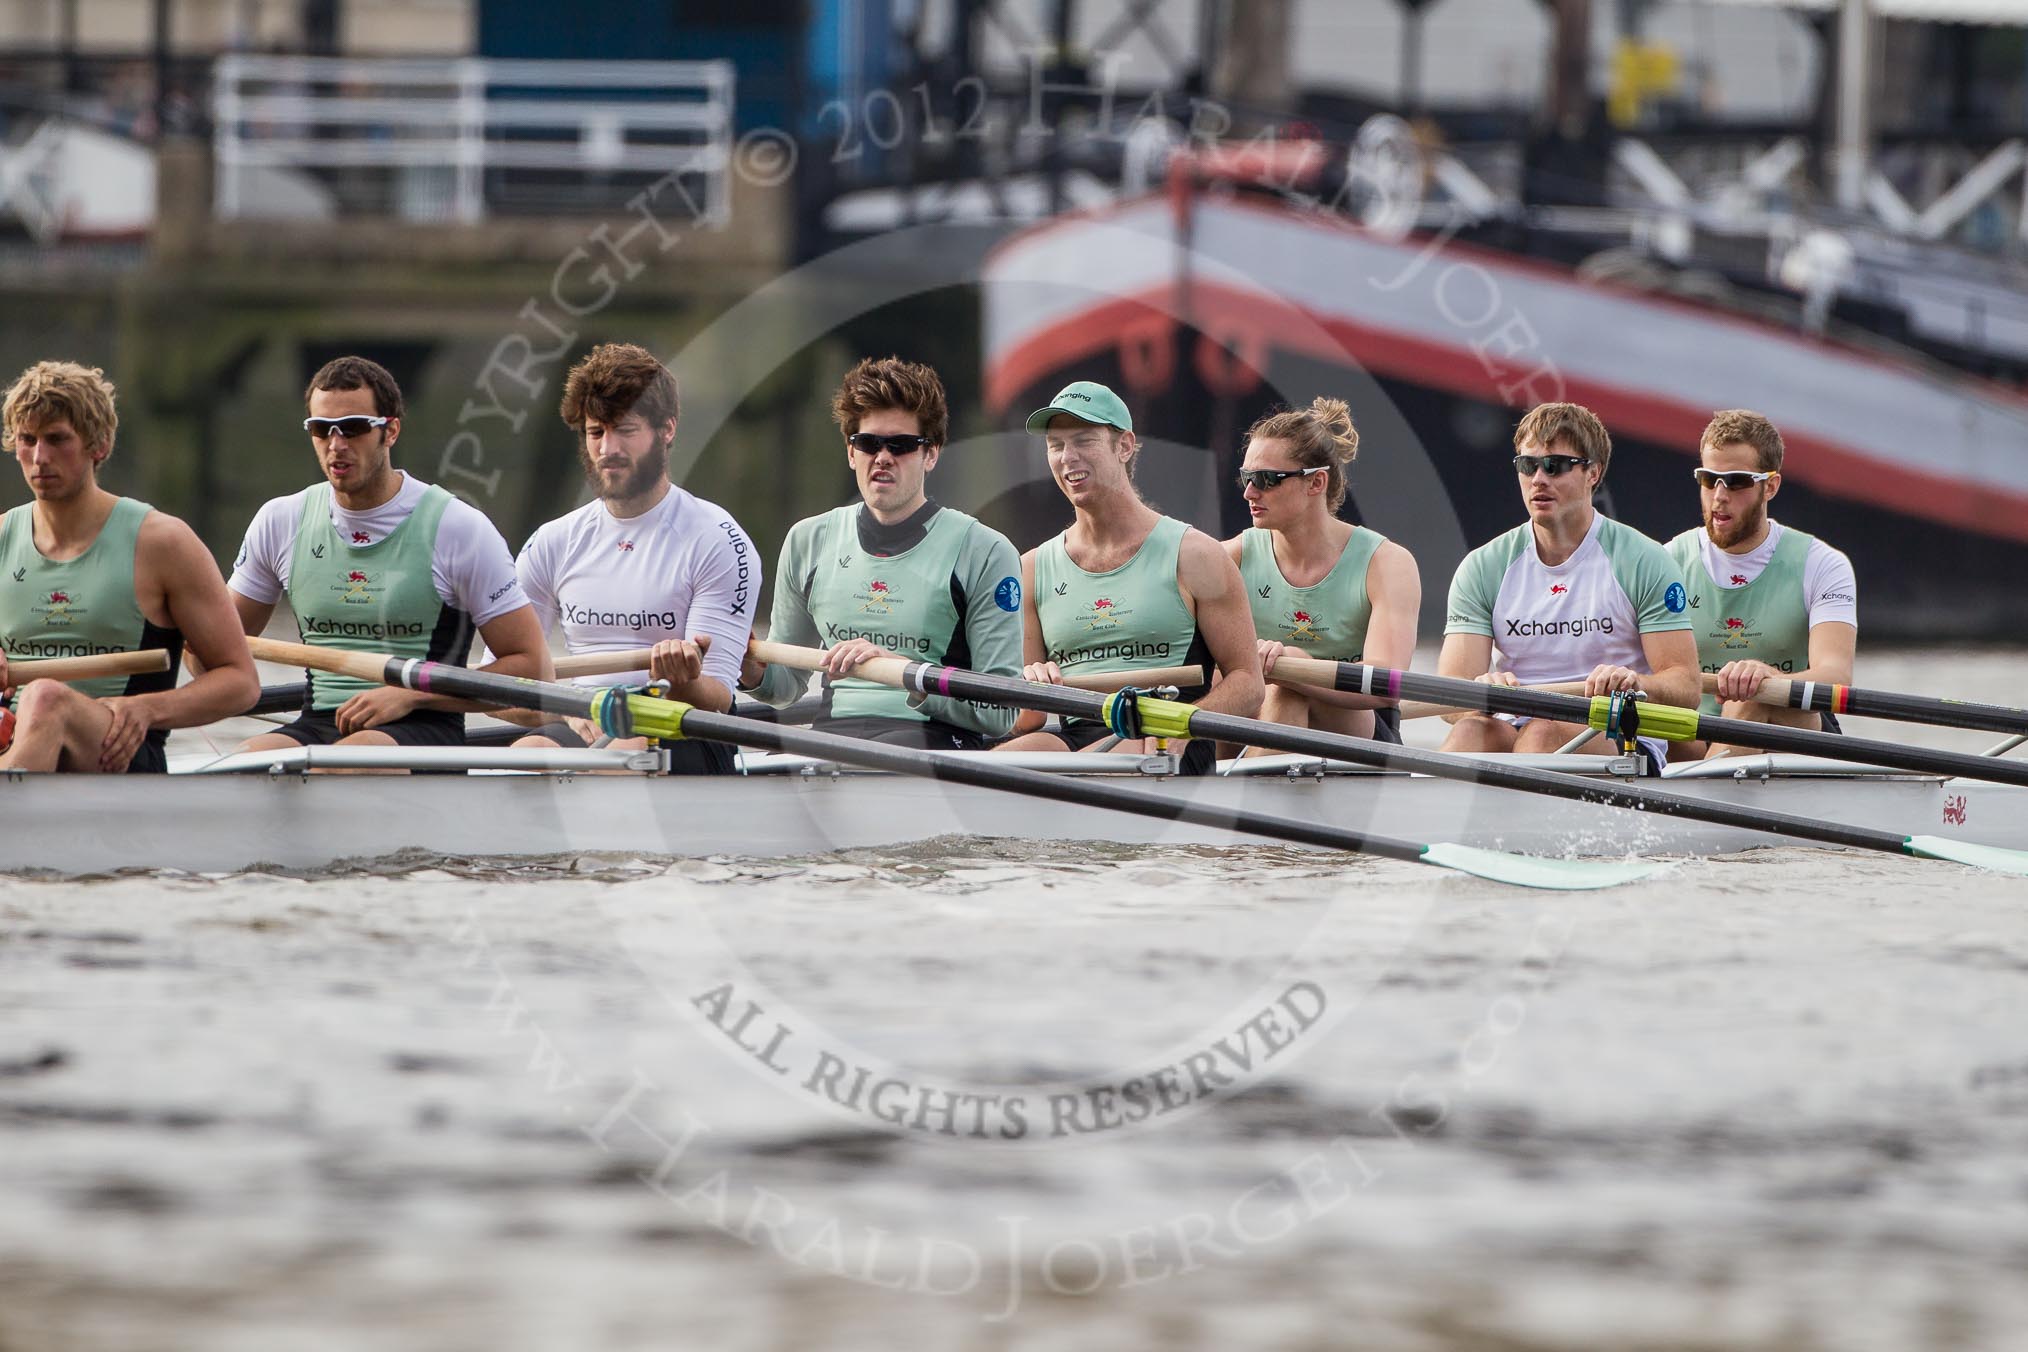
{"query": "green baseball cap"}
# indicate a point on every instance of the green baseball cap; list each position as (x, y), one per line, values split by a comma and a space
(1088, 401)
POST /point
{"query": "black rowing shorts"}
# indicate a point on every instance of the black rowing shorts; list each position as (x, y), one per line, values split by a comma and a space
(424, 727)
(920, 736)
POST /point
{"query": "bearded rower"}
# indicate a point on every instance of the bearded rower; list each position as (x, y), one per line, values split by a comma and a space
(1568, 595)
(1766, 600)
(644, 564)
(1318, 586)
(373, 559)
(896, 575)
(83, 572)
(1126, 587)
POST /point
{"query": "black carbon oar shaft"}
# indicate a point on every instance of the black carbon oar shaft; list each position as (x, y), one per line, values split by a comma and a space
(1254, 732)
(1824, 697)
(1360, 679)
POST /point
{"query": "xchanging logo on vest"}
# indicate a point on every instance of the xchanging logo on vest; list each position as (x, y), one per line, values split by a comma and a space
(900, 643)
(378, 629)
(743, 578)
(665, 620)
(1578, 628)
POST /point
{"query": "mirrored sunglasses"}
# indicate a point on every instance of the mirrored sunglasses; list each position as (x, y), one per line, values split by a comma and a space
(1264, 479)
(1555, 466)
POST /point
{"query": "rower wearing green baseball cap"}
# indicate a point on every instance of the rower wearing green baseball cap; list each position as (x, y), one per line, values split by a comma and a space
(1125, 587)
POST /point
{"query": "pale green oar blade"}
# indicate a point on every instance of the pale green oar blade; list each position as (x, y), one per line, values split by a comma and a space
(1998, 858)
(1531, 870)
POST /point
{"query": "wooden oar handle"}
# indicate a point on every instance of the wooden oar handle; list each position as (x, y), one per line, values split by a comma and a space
(1774, 690)
(363, 666)
(1108, 681)
(888, 670)
(21, 670)
(601, 664)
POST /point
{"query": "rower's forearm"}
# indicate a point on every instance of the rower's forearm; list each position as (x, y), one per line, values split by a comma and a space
(707, 693)
(1839, 674)
(1239, 694)
(779, 686)
(1680, 687)
(221, 692)
(1336, 699)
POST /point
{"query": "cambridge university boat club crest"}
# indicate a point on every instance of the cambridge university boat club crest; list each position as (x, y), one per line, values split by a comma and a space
(1739, 633)
(877, 597)
(1105, 613)
(58, 610)
(1300, 626)
(358, 588)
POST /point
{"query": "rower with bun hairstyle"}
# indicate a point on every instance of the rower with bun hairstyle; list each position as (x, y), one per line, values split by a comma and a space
(1320, 587)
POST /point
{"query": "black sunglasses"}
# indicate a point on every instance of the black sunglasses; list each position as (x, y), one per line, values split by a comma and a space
(868, 444)
(352, 428)
(1264, 479)
(1738, 480)
(1555, 466)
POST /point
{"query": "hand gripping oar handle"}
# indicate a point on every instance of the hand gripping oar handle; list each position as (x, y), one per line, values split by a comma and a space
(1827, 698)
(887, 670)
(434, 678)
(648, 716)
(21, 670)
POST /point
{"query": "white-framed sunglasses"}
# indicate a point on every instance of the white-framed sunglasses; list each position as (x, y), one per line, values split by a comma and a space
(351, 428)
(1738, 480)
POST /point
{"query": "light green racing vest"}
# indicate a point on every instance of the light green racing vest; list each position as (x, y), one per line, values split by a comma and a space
(375, 598)
(80, 607)
(1767, 620)
(1327, 620)
(1129, 618)
(900, 602)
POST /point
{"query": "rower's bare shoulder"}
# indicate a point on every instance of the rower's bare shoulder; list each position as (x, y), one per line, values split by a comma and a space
(1204, 567)
(166, 540)
(1393, 561)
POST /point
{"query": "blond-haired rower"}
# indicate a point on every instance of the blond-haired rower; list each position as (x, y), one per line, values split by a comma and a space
(1124, 586)
(87, 572)
(1319, 586)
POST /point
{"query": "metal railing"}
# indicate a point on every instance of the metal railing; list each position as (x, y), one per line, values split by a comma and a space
(461, 140)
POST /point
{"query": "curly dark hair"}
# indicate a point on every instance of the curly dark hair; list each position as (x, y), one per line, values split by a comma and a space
(890, 382)
(615, 379)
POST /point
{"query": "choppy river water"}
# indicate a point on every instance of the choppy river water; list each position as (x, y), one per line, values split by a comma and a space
(988, 1094)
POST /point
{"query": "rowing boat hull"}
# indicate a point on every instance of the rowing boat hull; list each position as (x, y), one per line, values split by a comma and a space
(210, 823)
